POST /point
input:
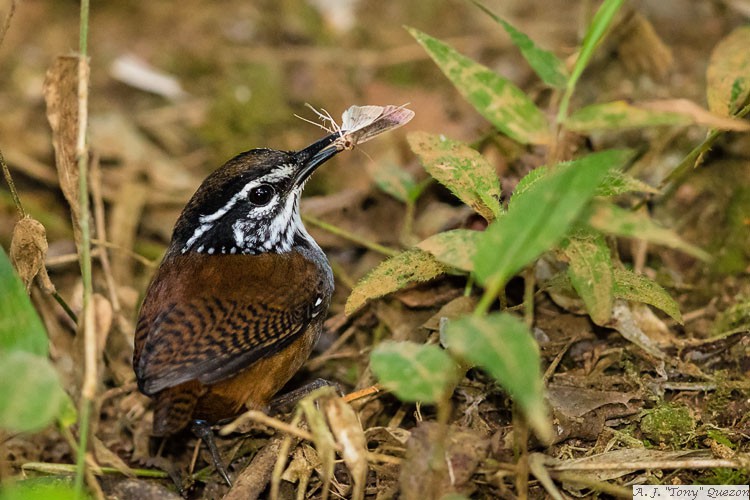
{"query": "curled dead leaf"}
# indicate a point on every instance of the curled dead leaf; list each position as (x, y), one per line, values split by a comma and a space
(28, 250)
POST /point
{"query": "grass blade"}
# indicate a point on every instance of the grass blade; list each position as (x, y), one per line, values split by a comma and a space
(596, 31)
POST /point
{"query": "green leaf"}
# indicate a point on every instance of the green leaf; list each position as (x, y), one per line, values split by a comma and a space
(595, 33)
(527, 181)
(30, 392)
(539, 217)
(502, 346)
(544, 63)
(414, 372)
(728, 74)
(615, 183)
(20, 326)
(639, 288)
(494, 97)
(461, 169)
(454, 248)
(611, 219)
(620, 115)
(590, 273)
(38, 488)
(394, 274)
(618, 182)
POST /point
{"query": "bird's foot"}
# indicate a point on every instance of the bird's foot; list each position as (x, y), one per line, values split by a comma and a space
(202, 430)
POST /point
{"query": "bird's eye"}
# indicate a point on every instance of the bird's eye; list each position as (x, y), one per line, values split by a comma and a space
(260, 195)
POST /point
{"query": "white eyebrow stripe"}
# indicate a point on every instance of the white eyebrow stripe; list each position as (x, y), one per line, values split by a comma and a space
(285, 171)
(232, 202)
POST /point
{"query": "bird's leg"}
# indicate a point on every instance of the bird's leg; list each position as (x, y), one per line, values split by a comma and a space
(285, 402)
(201, 429)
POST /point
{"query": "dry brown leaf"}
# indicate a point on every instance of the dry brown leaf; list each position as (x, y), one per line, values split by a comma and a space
(103, 316)
(641, 49)
(454, 309)
(697, 114)
(348, 433)
(125, 216)
(625, 322)
(105, 456)
(61, 96)
(577, 401)
(430, 470)
(28, 250)
(300, 468)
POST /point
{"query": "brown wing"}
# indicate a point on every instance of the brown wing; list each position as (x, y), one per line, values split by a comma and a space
(207, 318)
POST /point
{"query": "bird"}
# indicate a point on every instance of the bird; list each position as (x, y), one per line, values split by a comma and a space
(239, 299)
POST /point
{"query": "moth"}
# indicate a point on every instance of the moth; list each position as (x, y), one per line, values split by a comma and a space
(361, 123)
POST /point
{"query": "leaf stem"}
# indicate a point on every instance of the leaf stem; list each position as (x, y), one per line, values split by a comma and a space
(88, 389)
(12, 187)
(691, 160)
(57, 469)
(491, 291)
(528, 296)
(596, 31)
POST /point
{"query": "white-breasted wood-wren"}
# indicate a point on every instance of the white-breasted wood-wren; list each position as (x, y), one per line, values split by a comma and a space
(240, 297)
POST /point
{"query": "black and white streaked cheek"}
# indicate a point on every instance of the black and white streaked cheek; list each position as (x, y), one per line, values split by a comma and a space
(204, 233)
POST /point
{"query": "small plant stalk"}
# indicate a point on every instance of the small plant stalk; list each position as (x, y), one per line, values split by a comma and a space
(88, 389)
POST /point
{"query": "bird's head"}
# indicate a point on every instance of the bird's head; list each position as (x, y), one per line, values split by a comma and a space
(250, 205)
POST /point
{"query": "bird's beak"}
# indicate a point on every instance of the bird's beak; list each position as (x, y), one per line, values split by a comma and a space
(313, 156)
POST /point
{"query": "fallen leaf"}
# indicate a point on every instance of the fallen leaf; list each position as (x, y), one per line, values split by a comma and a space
(61, 96)
(347, 430)
(394, 274)
(728, 73)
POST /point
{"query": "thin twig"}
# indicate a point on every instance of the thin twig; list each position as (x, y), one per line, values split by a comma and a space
(262, 418)
(318, 361)
(135, 256)
(65, 307)
(8, 18)
(56, 469)
(343, 233)
(695, 463)
(363, 393)
(11, 184)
